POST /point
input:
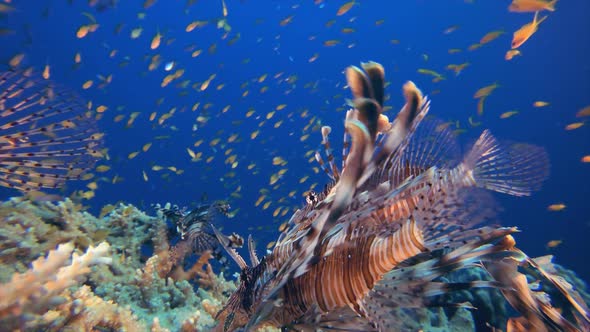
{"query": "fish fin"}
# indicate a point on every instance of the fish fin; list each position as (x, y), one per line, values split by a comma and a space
(368, 113)
(322, 164)
(546, 270)
(407, 120)
(541, 21)
(414, 287)
(252, 250)
(551, 6)
(451, 219)
(376, 75)
(360, 165)
(358, 82)
(535, 307)
(48, 136)
(223, 240)
(307, 248)
(346, 142)
(433, 144)
(517, 169)
(331, 169)
(338, 320)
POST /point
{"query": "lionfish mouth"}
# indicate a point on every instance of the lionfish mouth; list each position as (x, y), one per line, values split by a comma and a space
(402, 213)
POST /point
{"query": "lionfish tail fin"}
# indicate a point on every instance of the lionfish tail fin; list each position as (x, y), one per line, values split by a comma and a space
(516, 169)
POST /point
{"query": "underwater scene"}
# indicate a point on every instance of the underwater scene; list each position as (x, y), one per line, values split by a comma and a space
(249, 165)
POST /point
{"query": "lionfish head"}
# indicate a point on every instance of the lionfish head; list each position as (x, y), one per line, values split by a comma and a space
(238, 309)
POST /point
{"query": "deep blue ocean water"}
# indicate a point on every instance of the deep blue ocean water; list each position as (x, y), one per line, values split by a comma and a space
(554, 67)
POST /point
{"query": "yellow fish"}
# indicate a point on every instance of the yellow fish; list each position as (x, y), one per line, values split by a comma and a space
(556, 207)
(511, 54)
(574, 125)
(553, 243)
(486, 90)
(540, 104)
(530, 6)
(526, 31)
(583, 112)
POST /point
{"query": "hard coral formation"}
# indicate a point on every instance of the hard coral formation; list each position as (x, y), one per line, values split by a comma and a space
(28, 296)
(116, 287)
(30, 229)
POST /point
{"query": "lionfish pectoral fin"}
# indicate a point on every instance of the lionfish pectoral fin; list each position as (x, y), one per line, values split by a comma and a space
(432, 144)
(224, 241)
(376, 74)
(547, 269)
(358, 82)
(516, 169)
(369, 111)
(342, 319)
(536, 306)
(405, 124)
(413, 287)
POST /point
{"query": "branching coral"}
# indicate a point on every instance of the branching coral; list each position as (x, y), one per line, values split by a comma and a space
(30, 229)
(30, 294)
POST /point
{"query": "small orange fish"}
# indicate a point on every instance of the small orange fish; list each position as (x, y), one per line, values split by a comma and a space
(540, 104)
(508, 114)
(490, 36)
(457, 68)
(345, 8)
(511, 54)
(474, 47)
(574, 125)
(46, 72)
(486, 90)
(553, 243)
(556, 207)
(586, 159)
(526, 31)
(583, 112)
(529, 6)
(286, 21)
(331, 42)
(156, 41)
(16, 60)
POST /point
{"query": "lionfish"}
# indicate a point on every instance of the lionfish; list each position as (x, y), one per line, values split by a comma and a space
(47, 134)
(197, 233)
(397, 218)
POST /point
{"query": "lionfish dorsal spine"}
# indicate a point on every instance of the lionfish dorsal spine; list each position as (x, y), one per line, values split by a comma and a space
(252, 251)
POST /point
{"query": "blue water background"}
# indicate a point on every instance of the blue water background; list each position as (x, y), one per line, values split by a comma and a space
(554, 67)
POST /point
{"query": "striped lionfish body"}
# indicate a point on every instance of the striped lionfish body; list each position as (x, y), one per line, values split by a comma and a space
(399, 215)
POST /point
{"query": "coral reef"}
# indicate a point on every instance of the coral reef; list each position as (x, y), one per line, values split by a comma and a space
(65, 269)
(31, 295)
